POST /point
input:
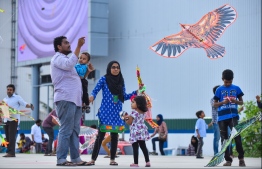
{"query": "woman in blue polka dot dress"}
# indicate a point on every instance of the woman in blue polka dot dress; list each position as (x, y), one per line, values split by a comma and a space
(113, 97)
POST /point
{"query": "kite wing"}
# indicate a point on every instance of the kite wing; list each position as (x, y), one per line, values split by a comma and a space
(84, 130)
(203, 34)
(212, 25)
(8, 111)
(174, 45)
(87, 131)
(219, 157)
(87, 144)
(5, 110)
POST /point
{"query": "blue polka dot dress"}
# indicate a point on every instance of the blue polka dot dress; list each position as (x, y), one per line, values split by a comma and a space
(109, 118)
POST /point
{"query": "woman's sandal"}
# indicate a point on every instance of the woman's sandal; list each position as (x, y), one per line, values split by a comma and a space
(67, 163)
(113, 163)
(89, 163)
(107, 156)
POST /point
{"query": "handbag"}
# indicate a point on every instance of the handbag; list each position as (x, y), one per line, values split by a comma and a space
(162, 137)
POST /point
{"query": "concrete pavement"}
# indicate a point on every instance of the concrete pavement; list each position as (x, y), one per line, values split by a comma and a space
(41, 161)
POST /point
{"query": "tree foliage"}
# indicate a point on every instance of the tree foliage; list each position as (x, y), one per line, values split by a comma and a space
(251, 137)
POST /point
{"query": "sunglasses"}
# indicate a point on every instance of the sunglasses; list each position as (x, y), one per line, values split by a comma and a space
(115, 67)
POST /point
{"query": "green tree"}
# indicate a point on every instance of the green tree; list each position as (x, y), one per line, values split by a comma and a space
(251, 137)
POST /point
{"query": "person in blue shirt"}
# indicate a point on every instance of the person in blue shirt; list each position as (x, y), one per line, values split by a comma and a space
(83, 68)
(215, 123)
(227, 98)
(200, 131)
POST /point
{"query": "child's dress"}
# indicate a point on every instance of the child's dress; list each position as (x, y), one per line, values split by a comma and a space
(138, 129)
(191, 150)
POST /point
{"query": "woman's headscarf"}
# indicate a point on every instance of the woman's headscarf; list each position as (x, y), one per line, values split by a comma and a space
(115, 83)
(159, 122)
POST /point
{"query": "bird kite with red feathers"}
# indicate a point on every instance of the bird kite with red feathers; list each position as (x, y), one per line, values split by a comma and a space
(203, 34)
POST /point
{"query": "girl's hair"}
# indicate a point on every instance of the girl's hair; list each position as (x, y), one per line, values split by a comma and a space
(196, 142)
(141, 103)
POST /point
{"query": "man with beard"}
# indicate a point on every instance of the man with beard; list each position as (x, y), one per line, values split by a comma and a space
(68, 100)
(16, 102)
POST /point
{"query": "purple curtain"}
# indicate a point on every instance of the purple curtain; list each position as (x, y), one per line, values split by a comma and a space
(40, 21)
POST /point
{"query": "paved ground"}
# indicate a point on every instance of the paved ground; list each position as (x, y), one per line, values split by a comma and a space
(41, 161)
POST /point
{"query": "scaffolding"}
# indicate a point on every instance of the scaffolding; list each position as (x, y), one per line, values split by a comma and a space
(13, 44)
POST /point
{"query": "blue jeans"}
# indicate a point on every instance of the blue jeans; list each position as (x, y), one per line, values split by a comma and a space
(216, 138)
(69, 115)
(161, 145)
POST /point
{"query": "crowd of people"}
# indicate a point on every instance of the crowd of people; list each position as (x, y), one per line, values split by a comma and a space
(72, 99)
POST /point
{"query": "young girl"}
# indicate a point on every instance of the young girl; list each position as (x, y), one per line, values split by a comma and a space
(192, 148)
(138, 130)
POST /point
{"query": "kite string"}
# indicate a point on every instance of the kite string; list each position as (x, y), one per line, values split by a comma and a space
(14, 13)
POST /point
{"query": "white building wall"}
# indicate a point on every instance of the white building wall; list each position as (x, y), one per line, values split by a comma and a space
(180, 87)
(5, 46)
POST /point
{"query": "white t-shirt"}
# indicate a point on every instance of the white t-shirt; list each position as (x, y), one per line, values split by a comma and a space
(36, 131)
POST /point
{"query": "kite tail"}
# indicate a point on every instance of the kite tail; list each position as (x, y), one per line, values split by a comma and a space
(151, 123)
(215, 51)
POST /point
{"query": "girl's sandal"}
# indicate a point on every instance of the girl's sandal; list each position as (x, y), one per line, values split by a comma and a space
(134, 165)
(148, 164)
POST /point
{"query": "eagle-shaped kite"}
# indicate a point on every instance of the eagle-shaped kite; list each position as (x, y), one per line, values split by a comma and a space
(203, 34)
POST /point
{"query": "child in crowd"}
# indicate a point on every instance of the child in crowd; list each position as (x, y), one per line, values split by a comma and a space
(200, 131)
(20, 143)
(104, 145)
(138, 130)
(83, 68)
(259, 103)
(192, 148)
